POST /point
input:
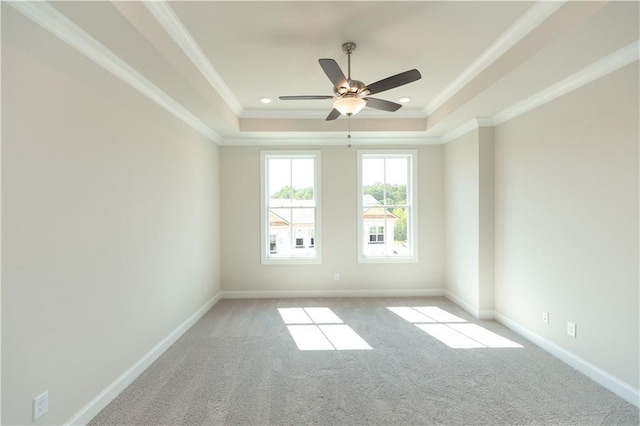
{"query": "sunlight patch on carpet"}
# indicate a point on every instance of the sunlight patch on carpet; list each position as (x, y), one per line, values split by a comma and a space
(320, 329)
(438, 314)
(411, 315)
(309, 338)
(294, 316)
(484, 336)
(323, 316)
(344, 338)
(449, 336)
(450, 329)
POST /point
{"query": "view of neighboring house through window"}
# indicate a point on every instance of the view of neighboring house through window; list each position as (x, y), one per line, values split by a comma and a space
(376, 235)
(290, 196)
(387, 205)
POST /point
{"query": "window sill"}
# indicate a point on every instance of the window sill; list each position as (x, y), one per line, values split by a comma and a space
(387, 259)
(292, 261)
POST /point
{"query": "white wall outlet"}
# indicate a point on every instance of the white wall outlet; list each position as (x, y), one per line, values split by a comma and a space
(336, 276)
(571, 329)
(545, 317)
(40, 405)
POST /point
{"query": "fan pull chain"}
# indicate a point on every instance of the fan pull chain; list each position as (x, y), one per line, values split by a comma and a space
(349, 132)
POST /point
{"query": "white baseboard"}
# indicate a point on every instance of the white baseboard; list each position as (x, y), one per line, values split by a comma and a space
(477, 313)
(96, 405)
(596, 374)
(285, 294)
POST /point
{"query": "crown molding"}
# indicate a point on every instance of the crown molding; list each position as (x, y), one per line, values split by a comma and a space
(484, 121)
(332, 141)
(531, 19)
(467, 127)
(181, 36)
(315, 114)
(59, 25)
(604, 66)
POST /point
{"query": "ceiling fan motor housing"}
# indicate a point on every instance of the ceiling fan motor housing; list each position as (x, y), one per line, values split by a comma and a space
(354, 88)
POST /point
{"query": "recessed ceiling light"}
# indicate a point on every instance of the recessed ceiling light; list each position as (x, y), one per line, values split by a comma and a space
(265, 100)
(404, 100)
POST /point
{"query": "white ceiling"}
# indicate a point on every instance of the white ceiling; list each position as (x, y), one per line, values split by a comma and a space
(210, 62)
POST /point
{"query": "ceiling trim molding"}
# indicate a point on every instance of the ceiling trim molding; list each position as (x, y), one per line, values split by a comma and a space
(302, 114)
(465, 128)
(484, 121)
(181, 36)
(604, 66)
(332, 141)
(531, 19)
(59, 25)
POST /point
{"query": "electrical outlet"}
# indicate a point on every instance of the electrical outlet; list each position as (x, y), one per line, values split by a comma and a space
(572, 329)
(336, 276)
(40, 405)
(545, 317)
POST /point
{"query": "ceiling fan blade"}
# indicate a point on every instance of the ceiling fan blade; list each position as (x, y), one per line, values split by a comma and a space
(382, 104)
(304, 97)
(333, 115)
(333, 71)
(393, 81)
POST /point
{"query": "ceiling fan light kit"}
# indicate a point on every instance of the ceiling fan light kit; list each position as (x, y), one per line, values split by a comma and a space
(351, 96)
(349, 105)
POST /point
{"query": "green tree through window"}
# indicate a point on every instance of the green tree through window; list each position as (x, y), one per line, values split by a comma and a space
(298, 193)
(396, 193)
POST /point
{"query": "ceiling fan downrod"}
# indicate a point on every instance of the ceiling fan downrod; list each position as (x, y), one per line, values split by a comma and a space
(348, 48)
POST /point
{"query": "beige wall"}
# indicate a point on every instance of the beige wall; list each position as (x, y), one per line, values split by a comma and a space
(461, 189)
(486, 216)
(240, 213)
(567, 222)
(110, 225)
(468, 192)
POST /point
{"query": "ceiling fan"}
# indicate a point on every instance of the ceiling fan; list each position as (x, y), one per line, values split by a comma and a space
(353, 95)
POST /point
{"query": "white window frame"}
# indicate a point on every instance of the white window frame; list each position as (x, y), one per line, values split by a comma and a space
(412, 206)
(265, 249)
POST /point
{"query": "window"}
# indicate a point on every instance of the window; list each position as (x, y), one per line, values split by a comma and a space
(290, 207)
(376, 234)
(387, 206)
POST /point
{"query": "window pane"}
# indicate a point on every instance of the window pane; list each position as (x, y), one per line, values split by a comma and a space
(279, 178)
(373, 181)
(375, 236)
(372, 171)
(396, 181)
(396, 170)
(302, 178)
(399, 222)
(303, 217)
(279, 240)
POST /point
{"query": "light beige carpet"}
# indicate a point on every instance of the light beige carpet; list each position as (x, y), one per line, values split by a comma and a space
(240, 365)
